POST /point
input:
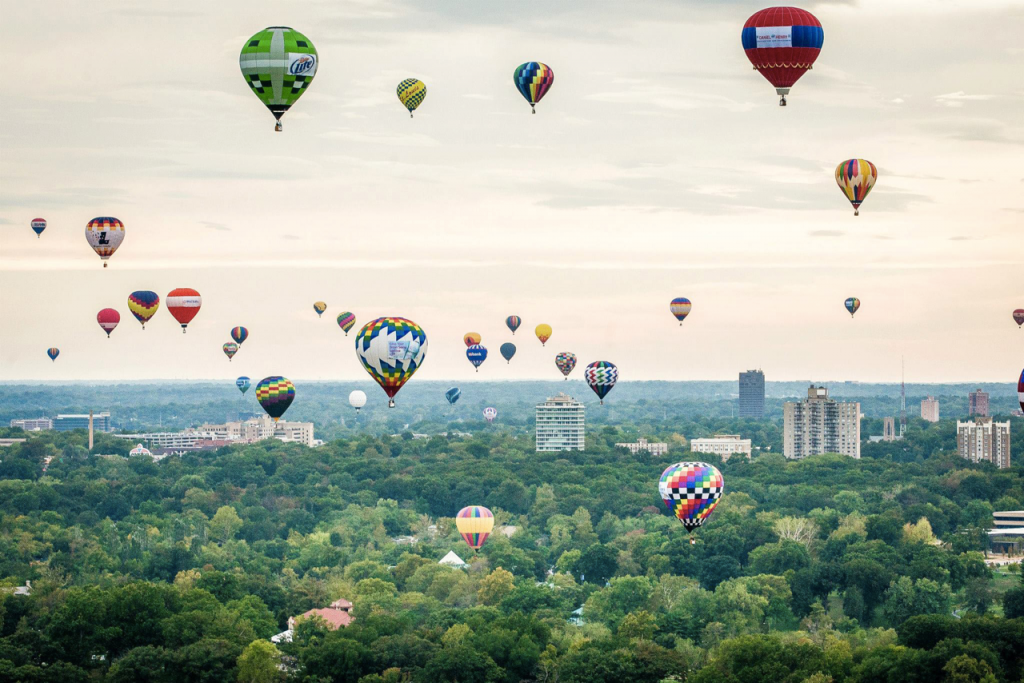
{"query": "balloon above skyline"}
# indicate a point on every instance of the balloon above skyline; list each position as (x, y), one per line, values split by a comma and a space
(565, 362)
(274, 395)
(184, 303)
(476, 355)
(243, 384)
(601, 377)
(391, 350)
(319, 307)
(1018, 316)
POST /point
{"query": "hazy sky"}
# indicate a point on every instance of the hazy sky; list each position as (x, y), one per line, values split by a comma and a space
(658, 165)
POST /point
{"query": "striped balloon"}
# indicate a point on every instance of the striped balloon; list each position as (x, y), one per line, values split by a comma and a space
(601, 376)
(680, 308)
(108, 319)
(855, 178)
(53, 352)
(782, 43)
(230, 349)
(411, 93)
(852, 304)
(239, 334)
(476, 354)
(346, 321)
(143, 304)
(490, 413)
(38, 224)
(533, 80)
(691, 491)
(475, 524)
(565, 362)
(513, 322)
(275, 394)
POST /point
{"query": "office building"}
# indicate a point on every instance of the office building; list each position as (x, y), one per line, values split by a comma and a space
(983, 440)
(1008, 519)
(930, 409)
(217, 435)
(645, 445)
(33, 425)
(820, 424)
(65, 423)
(752, 394)
(560, 425)
(723, 445)
(977, 402)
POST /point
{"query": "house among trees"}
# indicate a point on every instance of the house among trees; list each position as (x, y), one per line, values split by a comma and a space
(337, 615)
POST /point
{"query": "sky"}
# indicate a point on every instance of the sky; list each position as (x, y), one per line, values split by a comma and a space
(659, 165)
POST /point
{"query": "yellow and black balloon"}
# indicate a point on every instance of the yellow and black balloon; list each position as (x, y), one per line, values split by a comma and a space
(411, 93)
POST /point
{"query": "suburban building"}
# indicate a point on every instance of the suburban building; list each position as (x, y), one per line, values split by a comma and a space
(752, 394)
(930, 409)
(723, 445)
(977, 403)
(642, 444)
(337, 615)
(983, 440)
(560, 425)
(820, 424)
(216, 435)
(1009, 519)
(1007, 534)
(34, 425)
(66, 423)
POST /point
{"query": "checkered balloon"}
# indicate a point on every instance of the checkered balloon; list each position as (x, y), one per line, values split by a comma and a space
(601, 377)
(691, 490)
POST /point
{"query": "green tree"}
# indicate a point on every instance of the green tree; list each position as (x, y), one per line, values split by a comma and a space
(259, 663)
(225, 524)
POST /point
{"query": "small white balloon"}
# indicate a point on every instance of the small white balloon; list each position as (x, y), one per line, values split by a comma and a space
(357, 399)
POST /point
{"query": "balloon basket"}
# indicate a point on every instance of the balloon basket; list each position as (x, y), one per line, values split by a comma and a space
(693, 541)
(391, 403)
(278, 127)
(104, 264)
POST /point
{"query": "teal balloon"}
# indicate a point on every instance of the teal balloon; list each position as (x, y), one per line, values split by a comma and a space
(508, 350)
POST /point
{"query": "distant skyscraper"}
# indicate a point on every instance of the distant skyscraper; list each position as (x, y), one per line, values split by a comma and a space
(930, 409)
(752, 394)
(978, 403)
(560, 425)
(820, 424)
(984, 440)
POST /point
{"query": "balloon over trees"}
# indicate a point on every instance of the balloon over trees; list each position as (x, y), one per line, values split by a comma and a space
(239, 334)
(855, 178)
(38, 224)
(143, 304)
(346, 321)
(108, 319)
(601, 376)
(490, 413)
(533, 80)
(852, 304)
(184, 303)
(543, 333)
(691, 491)
(680, 308)
(513, 322)
(243, 384)
(477, 355)
(275, 394)
(53, 352)
(565, 362)
(104, 235)
(508, 350)
(471, 338)
(475, 524)
(782, 44)
(319, 307)
(453, 395)
(230, 349)
(391, 349)
(411, 93)
(357, 399)
(278, 63)
(1020, 390)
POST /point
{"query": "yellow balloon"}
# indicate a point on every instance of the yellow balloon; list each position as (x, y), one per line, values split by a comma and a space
(411, 93)
(474, 523)
(543, 333)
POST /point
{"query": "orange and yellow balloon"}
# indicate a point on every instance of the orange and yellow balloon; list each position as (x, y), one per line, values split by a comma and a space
(472, 338)
(543, 332)
(855, 178)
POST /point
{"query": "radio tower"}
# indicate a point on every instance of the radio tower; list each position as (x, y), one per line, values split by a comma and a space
(903, 398)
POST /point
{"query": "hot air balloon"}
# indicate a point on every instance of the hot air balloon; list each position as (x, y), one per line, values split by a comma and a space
(490, 414)
(471, 338)
(782, 44)
(391, 350)
(513, 322)
(1020, 388)
(691, 491)
(357, 399)
(474, 523)
(108, 319)
(508, 350)
(477, 355)
(346, 321)
(543, 333)
(184, 304)
(852, 304)
(53, 352)
(680, 308)
(855, 178)
(411, 93)
(243, 384)
(38, 224)
(104, 235)
(230, 349)
(239, 334)
(601, 376)
(143, 304)
(533, 79)
(453, 395)
(1018, 316)
(278, 63)
(275, 394)
(565, 362)
(319, 307)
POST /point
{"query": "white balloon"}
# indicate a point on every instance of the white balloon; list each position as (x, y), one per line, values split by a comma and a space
(357, 399)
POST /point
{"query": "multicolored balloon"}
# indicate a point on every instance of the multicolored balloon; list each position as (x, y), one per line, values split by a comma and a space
(53, 352)
(108, 319)
(680, 308)
(475, 524)
(278, 63)
(543, 333)
(513, 322)
(184, 303)
(143, 304)
(453, 395)
(1018, 316)
(565, 362)
(411, 93)
(471, 338)
(601, 376)
(239, 334)
(533, 80)
(104, 235)
(852, 304)
(855, 178)
(782, 44)
(275, 394)
(346, 321)
(38, 224)
(230, 349)
(508, 349)
(490, 414)
(391, 349)
(357, 399)
(1020, 389)
(319, 307)
(476, 354)
(243, 384)
(691, 491)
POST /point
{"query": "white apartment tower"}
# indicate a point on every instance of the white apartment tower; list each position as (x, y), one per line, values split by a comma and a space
(820, 424)
(984, 440)
(560, 425)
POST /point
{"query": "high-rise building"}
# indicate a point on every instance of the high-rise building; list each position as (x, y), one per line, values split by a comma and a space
(984, 440)
(752, 394)
(820, 424)
(724, 445)
(65, 423)
(930, 409)
(560, 424)
(33, 425)
(978, 403)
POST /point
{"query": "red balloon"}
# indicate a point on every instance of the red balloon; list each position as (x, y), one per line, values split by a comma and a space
(108, 319)
(782, 44)
(184, 303)
(1018, 316)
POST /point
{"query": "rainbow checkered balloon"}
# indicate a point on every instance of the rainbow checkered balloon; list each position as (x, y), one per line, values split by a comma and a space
(275, 394)
(691, 490)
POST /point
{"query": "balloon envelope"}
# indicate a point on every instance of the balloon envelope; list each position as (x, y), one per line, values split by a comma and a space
(477, 355)
(475, 524)
(691, 491)
(346, 321)
(108, 319)
(143, 304)
(680, 308)
(243, 384)
(230, 349)
(601, 376)
(1018, 316)
(453, 395)
(411, 93)
(565, 362)
(357, 399)
(471, 338)
(392, 350)
(513, 322)
(275, 394)
(543, 333)
(319, 307)
(239, 334)
(533, 80)
(278, 63)
(855, 178)
(38, 224)
(53, 352)
(508, 350)
(1020, 390)
(782, 43)
(490, 413)
(104, 235)
(852, 304)
(184, 304)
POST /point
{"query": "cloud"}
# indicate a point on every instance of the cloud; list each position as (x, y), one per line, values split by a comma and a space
(826, 233)
(958, 98)
(215, 226)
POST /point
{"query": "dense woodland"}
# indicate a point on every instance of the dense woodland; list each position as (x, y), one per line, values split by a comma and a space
(829, 569)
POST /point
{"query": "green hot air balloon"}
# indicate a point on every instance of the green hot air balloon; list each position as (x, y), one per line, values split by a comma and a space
(278, 63)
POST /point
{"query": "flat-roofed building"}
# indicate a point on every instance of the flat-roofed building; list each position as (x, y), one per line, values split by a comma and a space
(930, 409)
(983, 440)
(37, 424)
(560, 425)
(752, 394)
(724, 445)
(1008, 519)
(642, 444)
(66, 423)
(820, 424)
(977, 403)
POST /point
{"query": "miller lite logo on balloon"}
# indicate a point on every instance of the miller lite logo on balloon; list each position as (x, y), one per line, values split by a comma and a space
(302, 65)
